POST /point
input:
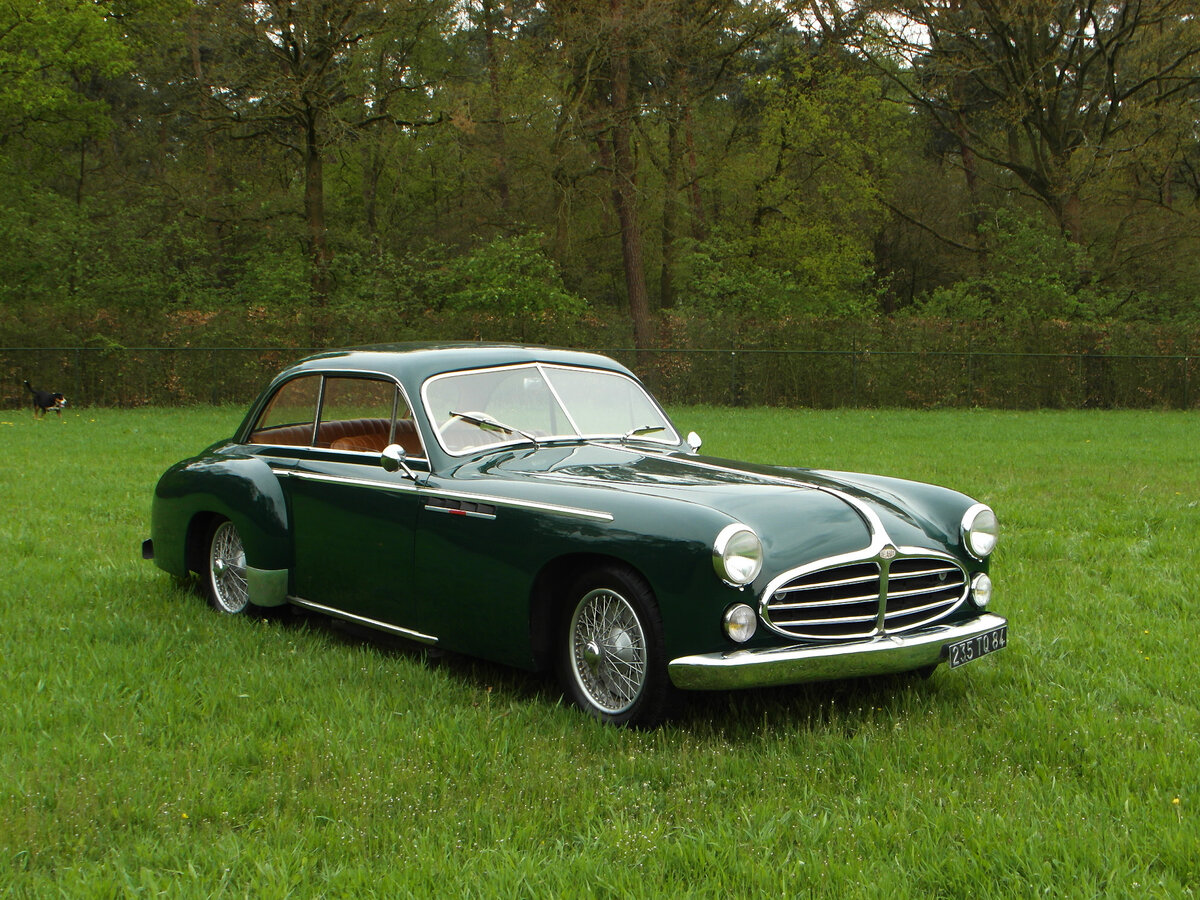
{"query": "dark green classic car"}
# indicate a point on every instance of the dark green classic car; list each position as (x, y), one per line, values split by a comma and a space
(537, 507)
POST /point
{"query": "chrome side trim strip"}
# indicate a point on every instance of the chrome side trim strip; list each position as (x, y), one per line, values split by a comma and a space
(460, 512)
(572, 512)
(776, 666)
(363, 620)
(393, 486)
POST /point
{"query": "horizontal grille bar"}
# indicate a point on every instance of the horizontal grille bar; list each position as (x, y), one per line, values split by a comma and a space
(844, 601)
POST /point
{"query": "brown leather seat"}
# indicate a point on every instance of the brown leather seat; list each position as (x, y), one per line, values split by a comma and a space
(286, 435)
(363, 435)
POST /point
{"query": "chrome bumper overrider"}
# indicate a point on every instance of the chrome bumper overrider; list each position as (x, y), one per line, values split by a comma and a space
(821, 662)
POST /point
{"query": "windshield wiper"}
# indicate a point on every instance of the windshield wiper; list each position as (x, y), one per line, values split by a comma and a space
(644, 430)
(485, 422)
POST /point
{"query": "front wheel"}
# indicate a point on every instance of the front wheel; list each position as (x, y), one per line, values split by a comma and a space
(611, 658)
(225, 570)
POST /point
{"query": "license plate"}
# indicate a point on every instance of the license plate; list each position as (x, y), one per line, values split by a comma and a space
(980, 645)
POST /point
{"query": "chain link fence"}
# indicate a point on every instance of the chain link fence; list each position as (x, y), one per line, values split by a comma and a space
(855, 377)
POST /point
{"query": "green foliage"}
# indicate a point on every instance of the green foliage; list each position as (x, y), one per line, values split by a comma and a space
(810, 184)
(162, 163)
(824, 276)
(49, 49)
(513, 277)
(1033, 272)
(822, 139)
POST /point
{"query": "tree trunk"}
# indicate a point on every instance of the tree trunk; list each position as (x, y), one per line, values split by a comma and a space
(666, 278)
(314, 211)
(621, 164)
(699, 220)
(499, 143)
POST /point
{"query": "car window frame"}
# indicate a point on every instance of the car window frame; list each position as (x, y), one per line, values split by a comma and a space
(323, 374)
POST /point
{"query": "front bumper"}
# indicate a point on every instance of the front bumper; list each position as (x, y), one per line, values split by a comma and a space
(775, 666)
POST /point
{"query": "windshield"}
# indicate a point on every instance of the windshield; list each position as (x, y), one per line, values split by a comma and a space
(537, 403)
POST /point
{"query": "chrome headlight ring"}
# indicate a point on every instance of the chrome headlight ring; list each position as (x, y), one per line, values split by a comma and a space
(980, 531)
(737, 555)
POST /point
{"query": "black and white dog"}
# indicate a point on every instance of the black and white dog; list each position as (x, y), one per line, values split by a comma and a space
(46, 400)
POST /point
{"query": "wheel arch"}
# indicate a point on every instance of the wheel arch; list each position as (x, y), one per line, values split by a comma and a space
(194, 545)
(548, 597)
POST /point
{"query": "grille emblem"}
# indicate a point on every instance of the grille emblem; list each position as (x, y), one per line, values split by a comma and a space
(887, 553)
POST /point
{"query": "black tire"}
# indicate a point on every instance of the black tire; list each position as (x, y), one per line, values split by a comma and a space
(610, 654)
(224, 574)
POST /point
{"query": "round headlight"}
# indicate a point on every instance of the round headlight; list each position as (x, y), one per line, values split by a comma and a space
(980, 530)
(737, 555)
(740, 623)
(981, 590)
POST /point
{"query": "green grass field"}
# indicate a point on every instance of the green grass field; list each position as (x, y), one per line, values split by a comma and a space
(149, 746)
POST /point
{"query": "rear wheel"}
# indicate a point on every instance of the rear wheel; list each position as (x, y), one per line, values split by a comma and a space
(225, 571)
(611, 659)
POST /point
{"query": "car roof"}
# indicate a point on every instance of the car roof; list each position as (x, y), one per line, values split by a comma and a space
(412, 363)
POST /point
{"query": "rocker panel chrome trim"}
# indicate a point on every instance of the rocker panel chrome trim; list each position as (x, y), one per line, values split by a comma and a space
(363, 620)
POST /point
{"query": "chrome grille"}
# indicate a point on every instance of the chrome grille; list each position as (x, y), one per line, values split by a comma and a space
(844, 601)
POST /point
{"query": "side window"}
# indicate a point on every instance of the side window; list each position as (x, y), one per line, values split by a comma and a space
(357, 415)
(347, 399)
(288, 416)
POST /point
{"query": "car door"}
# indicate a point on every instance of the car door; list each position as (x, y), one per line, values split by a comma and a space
(352, 522)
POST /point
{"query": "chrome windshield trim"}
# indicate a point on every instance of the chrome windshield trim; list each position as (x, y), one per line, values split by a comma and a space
(543, 368)
(573, 512)
(775, 666)
(558, 399)
(363, 620)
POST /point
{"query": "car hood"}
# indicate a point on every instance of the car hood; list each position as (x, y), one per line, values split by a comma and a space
(798, 513)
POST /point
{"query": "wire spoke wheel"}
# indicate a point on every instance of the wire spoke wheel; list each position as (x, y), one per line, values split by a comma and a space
(609, 659)
(227, 570)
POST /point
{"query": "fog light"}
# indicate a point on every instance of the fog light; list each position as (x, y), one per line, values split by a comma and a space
(740, 623)
(981, 590)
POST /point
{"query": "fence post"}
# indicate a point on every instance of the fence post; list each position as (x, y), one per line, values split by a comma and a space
(733, 386)
(1187, 382)
(854, 372)
(970, 371)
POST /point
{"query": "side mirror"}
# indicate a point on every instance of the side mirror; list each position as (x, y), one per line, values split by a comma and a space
(393, 460)
(693, 441)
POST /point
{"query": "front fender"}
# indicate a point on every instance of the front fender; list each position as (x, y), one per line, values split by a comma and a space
(243, 489)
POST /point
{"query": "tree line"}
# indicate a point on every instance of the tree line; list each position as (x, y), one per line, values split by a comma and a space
(644, 161)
